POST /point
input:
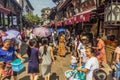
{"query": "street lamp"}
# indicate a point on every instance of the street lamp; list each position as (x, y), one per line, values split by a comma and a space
(112, 12)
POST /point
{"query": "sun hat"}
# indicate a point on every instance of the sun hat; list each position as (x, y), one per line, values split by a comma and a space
(99, 74)
(84, 38)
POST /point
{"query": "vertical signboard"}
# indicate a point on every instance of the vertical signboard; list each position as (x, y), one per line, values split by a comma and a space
(14, 20)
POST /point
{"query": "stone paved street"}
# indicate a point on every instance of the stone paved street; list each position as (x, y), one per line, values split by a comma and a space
(58, 69)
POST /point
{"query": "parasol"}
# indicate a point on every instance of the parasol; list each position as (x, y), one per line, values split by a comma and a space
(42, 32)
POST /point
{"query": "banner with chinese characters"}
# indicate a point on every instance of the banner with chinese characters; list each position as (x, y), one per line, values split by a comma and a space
(82, 17)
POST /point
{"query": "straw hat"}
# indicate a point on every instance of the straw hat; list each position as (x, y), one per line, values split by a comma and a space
(100, 74)
(84, 38)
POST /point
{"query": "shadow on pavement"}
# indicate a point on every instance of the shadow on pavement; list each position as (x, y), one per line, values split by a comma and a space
(54, 76)
(25, 78)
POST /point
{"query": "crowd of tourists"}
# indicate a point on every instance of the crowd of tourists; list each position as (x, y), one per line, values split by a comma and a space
(84, 50)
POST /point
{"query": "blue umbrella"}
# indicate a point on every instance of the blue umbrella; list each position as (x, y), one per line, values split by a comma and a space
(61, 30)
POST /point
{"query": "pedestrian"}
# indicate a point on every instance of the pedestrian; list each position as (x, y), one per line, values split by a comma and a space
(82, 48)
(7, 55)
(67, 38)
(73, 61)
(101, 55)
(22, 33)
(61, 46)
(91, 64)
(47, 57)
(28, 32)
(33, 62)
(32, 36)
(1, 42)
(117, 62)
(55, 37)
(77, 42)
(72, 44)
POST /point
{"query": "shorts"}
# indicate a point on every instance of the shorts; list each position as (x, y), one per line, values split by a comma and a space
(14, 73)
(73, 66)
(117, 73)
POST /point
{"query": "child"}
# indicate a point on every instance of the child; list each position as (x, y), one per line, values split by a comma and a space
(117, 63)
(33, 63)
(74, 61)
(117, 73)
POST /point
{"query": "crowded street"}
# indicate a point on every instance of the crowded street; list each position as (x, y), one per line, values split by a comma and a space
(59, 39)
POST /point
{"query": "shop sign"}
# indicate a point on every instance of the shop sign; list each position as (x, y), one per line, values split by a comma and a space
(14, 20)
(66, 22)
(71, 21)
(83, 17)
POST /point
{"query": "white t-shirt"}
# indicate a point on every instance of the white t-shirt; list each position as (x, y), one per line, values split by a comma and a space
(117, 50)
(32, 36)
(81, 48)
(74, 60)
(28, 32)
(91, 65)
(76, 42)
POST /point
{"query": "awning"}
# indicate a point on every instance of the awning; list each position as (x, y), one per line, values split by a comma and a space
(81, 17)
(4, 10)
(78, 18)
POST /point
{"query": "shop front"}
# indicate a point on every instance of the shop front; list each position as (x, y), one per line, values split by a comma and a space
(3, 16)
(111, 27)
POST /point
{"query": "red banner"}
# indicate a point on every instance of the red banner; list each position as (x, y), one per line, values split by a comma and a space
(66, 22)
(82, 17)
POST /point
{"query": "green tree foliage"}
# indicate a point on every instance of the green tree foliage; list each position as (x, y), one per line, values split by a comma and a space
(31, 18)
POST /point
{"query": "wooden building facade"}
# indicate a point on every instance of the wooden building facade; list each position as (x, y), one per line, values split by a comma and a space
(10, 12)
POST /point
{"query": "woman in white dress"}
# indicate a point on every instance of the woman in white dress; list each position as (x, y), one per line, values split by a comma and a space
(47, 57)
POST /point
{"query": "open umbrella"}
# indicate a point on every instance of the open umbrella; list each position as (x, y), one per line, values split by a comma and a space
(2, 33)
(9, 36)
(42, 32)
(60, 30)
(15, 32)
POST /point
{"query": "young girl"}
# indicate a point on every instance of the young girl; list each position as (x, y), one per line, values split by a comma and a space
(33, 63)
(74, 61)
(117, 74)
(47, 58)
